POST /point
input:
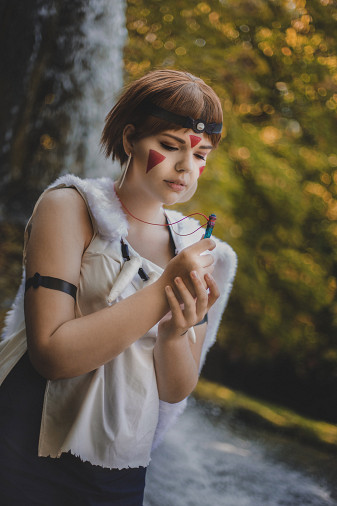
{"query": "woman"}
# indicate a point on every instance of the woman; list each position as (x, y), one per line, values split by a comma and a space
(119, 306)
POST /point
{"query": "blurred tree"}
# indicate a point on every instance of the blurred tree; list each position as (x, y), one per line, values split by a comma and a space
(54, 83)
(272, 183)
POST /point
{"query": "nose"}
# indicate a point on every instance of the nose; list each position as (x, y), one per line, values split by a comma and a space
(185, 163)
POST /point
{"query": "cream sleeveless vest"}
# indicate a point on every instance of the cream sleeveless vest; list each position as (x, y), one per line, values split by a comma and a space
(112, 416)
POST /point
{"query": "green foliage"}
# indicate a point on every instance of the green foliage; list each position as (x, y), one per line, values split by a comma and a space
(270, 416)
(273, 181)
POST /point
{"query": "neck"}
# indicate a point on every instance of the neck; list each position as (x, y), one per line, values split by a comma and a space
(139, 208)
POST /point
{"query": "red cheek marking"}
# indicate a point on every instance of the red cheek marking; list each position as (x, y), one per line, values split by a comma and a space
(194, 140)
(201, 170)
(154, 159)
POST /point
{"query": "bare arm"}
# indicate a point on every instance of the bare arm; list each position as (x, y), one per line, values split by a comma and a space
(177, 359)
(60, 345)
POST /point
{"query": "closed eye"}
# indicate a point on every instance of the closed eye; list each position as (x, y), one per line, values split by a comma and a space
(172, 148)
(169, 148)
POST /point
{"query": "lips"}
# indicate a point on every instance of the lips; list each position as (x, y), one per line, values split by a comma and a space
(176, 185)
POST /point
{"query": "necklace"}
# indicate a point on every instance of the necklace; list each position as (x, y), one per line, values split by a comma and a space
(166, 224)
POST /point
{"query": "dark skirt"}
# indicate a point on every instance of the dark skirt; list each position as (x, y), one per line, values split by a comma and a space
(29, 480)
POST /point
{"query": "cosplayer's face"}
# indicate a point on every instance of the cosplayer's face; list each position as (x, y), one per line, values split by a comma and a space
(173, 161)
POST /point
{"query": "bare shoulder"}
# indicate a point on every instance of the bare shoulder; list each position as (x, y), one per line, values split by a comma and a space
(64, 210)
(63, 200)
(60, 232)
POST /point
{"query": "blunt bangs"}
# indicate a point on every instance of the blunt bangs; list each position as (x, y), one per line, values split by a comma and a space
(176, 91)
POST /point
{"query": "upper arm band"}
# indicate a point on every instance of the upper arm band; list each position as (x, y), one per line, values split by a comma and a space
(53, 283)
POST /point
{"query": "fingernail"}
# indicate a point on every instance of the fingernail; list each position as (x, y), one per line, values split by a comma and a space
(194, 274)
(177, 280)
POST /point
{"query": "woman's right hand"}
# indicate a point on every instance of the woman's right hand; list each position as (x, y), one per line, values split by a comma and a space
(192, 258)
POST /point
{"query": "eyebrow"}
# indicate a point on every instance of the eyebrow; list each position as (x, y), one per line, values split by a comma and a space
(183, 142)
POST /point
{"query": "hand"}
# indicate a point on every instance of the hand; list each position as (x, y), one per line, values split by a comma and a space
(192, 310)
(188, 260)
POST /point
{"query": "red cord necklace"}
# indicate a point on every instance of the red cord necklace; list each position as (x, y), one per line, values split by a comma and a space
(167, 224)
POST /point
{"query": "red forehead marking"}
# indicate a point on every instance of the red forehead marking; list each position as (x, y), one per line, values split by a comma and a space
(154, 159)
(201, 170)
(194, 140)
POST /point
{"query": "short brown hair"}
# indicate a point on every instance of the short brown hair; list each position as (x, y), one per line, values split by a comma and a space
(176, 91)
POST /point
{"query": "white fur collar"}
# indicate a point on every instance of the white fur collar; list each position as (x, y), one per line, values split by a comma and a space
(111, 223)
(103, 203)
(107, 212)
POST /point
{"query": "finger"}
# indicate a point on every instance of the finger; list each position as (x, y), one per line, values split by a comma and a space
(208, 244)
(202, 245)
(184, 292)
(213, 290)
(201, 302)
(206, 260)
(209, 270)
(172, 301)
(187, 298)
(177, 314)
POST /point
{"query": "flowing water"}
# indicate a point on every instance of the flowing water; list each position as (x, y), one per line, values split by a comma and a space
(209, 460)
(60, 78)
(61, 68)
(99, 62)
(206, 459)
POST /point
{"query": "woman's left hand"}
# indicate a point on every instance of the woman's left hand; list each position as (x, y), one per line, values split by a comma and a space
(192, 310)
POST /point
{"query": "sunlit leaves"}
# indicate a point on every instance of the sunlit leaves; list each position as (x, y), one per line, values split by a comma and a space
(273, 181)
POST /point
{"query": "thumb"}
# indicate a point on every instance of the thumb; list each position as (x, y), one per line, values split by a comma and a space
(209, 244)
(203, 245)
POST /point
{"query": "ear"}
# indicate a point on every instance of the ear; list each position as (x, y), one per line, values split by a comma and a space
(128, 137)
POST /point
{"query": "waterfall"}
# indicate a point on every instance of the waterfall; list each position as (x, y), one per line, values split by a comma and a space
(61, 71)
(98, 65)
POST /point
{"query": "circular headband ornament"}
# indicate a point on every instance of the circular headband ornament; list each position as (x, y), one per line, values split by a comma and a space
(197, 125)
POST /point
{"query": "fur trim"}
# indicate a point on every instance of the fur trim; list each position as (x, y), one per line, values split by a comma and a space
(111, 223)
(224, 272)
(102, 201)
(15, 318)
(108, 220)
(225, 269)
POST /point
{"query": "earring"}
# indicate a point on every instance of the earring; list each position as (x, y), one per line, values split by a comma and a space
(125, 171)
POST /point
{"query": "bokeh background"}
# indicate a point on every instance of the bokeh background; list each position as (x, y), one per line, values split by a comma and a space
(272, 183)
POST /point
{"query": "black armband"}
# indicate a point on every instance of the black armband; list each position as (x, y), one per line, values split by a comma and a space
(204, 320)
(52, 283)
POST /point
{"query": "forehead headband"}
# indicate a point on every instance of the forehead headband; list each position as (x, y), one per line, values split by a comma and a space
(197, 125)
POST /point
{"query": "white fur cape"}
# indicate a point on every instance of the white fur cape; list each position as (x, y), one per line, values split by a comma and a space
(110, 223)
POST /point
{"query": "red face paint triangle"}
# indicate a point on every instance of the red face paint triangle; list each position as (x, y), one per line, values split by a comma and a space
(154, 159)
(194, 140)
(201, 170)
